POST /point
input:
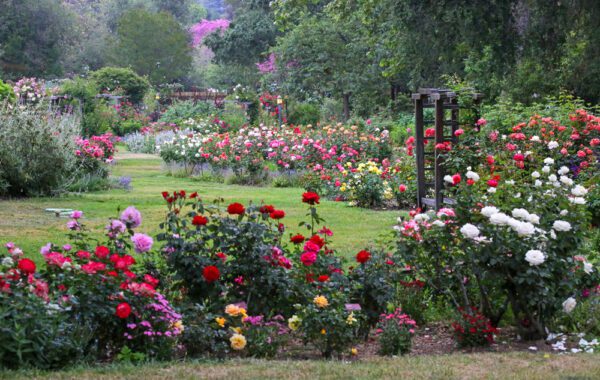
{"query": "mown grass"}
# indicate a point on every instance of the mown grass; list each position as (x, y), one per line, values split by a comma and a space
(457, 366)
(25, 222)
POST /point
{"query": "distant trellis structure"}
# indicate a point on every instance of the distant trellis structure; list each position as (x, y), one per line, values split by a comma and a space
(446, 120)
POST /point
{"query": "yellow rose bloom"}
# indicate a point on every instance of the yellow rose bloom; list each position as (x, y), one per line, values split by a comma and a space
(323, 332)
(354, 351)
(238, 341)
(294, 323)
(321, 301)
(178, 326)
(237, 330)
(220, 321)
(350, 320)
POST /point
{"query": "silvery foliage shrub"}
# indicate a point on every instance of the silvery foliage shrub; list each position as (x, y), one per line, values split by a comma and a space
(147, 143)
(36, 150)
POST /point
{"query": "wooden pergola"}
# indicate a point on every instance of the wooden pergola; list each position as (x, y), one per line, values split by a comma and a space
(446, 120)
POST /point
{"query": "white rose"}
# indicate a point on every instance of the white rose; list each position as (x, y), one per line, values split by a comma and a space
(588, 268)
(510, 182)
(561, 225)
(472, 175)
(488, 211)
(579, 191)
(448, 179)
(469, 231)
(563, 170)
(520, 213)
(548, 161)
(533, 218)
(523, 228)
(552, 145)
(439, 223)
(546, 169)
(538, 183)
(577, 200)
(535, 138)
(492, 190)
(7, 262)
(566, 180)
(536, 174)
(563, 212)
(569, 305)
(535, 257)
(552, 178)
(500, 219)
(421, 218)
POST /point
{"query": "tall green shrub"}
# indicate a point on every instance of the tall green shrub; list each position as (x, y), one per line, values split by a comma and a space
(133, 85)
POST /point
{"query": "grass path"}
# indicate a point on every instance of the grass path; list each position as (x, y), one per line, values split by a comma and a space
(457, 366)
(25, 222)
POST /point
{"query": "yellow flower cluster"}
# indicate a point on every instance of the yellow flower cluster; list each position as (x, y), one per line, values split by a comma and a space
(369, 166)
(351, 319)
(220, 321)
(321, 301)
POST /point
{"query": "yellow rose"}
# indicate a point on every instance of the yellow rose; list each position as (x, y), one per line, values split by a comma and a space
(237, 330)
(350, 320)
(321, 301)
(323, 332)
(294, 323)
(238, 341)
(178, 326)
(220, 321)
(354, 351)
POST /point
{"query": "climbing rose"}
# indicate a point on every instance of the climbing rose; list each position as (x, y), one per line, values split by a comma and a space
(211, 273)
(123, 310)
(236, 209)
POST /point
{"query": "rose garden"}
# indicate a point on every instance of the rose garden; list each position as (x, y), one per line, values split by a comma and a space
(149, 229)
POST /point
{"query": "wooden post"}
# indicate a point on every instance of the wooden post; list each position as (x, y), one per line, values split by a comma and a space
(439, 139)
(420, 149)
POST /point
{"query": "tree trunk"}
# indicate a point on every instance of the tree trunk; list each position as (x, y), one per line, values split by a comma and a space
(346, 98)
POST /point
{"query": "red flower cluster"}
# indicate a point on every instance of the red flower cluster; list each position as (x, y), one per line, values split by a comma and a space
(277, 214)
(26, 266)
(297, 239)
(310, 198)
(199, 220)
(474, 329)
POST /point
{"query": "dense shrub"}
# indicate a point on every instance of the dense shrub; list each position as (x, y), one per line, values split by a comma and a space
(6, 92)
(395, 332)
(304, 114)
(36, 150)
(112, 78)
(180, 111)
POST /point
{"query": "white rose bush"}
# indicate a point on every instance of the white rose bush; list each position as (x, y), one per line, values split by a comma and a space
(515, 237)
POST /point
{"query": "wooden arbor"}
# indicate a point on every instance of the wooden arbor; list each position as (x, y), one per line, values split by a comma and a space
(445, 121)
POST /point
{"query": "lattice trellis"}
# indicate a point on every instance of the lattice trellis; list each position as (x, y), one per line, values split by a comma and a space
(430, 169)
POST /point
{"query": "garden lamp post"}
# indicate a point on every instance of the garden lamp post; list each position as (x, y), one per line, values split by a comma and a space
(279, 108)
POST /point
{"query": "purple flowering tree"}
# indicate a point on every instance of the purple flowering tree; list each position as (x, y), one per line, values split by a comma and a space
(206, 27)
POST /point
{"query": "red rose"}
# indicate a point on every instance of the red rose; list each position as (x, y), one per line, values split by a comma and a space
(323, 278)
(317, 240)
(102, 252)
(492, 183)
(26, 266)
(277, 214)
(310, 198)
(123, 310)
(165, 194)
(456, 179)
(266, 209)
(193, 195)
(363, 256)
(297, 239)
(236, 209)
(199, 220)
(402, 188)
(211, 273)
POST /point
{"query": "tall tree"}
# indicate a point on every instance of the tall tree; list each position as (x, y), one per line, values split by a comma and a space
(153, 44)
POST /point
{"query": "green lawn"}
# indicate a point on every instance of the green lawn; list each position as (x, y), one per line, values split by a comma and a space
(26, 223)
(457, 366)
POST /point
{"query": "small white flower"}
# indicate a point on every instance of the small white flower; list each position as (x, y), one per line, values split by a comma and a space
(517, 195)
(563, 212)
(472, 175)
(510, 182)
(535, 257)
(7, 262)
(552, 178)
(500, 219)
(569, 305)
(520, 213)
(537, 183)
(535, 138)
(448, 179)
(561, 225)
(563, 170)
(546, 169)
(548, 161)
(469, 231)
(536, 174)
(488, 211)
(579, 191)
(523, 228)
(588, 268)
(552, 145)
(492, 190)
(552, 235)
(438, 223)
